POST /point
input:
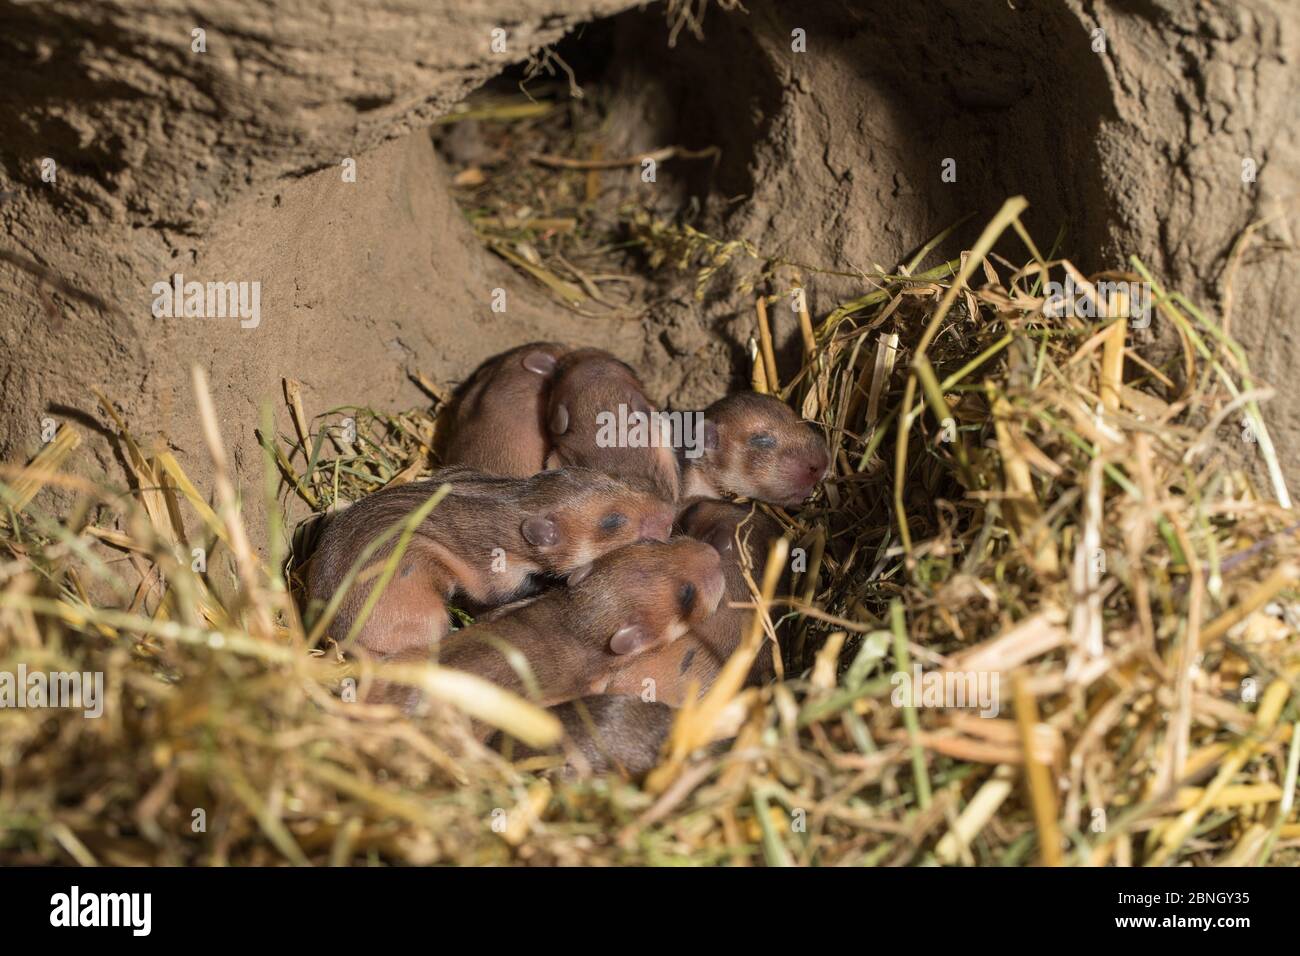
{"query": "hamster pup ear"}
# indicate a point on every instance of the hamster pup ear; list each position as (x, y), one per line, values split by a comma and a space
(559, 420)
(543, 363)
(630, 638)
(540, 532)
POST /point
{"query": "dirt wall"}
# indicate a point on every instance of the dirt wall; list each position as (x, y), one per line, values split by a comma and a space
(1128, 126)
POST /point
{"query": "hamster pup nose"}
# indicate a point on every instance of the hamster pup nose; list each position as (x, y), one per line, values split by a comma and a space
(819, 465)
(657, 526)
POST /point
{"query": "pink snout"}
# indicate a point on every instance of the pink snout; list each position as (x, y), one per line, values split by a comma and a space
(658, 525)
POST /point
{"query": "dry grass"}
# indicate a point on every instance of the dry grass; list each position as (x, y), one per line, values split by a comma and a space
(1013, 495)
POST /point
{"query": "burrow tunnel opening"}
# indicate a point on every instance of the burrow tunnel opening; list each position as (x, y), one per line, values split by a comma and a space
(833, 143)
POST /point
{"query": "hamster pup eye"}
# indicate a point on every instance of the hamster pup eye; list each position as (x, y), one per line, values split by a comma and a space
(686, 596)
(613, 521)
(763, 440)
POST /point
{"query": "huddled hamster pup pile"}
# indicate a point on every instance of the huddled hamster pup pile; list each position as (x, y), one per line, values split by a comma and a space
(608, 561)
